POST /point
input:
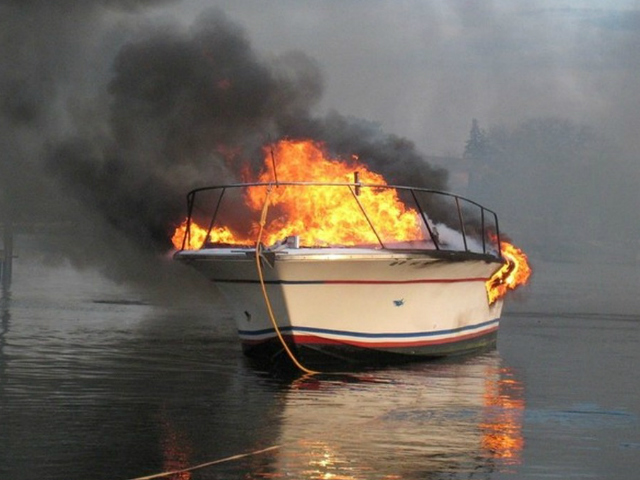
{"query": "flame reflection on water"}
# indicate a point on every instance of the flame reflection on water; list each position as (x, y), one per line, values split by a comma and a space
(454, 418)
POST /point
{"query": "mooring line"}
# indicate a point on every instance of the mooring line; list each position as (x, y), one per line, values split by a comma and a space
(207, 464)
(263, 220)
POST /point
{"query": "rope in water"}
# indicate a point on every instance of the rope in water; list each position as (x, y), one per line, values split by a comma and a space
(263, 219)
(207, 464)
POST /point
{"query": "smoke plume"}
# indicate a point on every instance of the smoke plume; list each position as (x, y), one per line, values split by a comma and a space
(106, 124)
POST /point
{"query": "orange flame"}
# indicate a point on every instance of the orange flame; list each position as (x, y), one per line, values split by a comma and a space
(320, 216)
(515, 272)
(327, 216)
(198, 234)
(330, 216)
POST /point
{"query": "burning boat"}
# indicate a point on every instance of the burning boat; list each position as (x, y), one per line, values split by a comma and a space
(343, 269)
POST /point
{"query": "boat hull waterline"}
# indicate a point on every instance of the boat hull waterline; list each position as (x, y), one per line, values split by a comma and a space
(356, 305)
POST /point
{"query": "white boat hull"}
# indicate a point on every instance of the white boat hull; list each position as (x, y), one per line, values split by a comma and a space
(356, 305)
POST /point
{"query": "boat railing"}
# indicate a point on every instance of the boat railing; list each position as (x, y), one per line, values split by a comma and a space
(447, 222)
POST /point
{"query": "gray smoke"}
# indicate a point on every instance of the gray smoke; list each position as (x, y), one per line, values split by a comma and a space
(107, 124)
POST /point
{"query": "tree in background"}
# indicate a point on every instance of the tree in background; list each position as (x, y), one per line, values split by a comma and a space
(477, 146)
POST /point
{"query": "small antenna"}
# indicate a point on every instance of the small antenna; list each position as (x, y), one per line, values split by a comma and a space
(273, 161)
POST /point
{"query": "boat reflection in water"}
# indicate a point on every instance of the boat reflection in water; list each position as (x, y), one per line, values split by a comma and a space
(458, 419)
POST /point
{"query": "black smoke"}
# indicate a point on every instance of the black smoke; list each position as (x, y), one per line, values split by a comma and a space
(114, 141)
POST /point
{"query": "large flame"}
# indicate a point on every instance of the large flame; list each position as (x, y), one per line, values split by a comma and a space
(515, 272)
(324, 216)
(320, 216)
(327, 216)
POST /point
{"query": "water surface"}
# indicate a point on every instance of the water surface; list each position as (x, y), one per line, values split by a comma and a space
(105, 381)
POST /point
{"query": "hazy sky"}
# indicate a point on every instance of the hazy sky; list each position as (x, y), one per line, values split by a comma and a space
(424, 68)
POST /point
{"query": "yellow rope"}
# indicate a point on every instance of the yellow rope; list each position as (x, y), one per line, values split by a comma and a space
(208, 464)
(263, 219)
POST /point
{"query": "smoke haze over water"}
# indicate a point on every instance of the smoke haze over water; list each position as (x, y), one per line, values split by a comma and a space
(111, 110)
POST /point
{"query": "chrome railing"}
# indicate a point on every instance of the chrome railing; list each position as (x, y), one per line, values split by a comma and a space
(450, 222)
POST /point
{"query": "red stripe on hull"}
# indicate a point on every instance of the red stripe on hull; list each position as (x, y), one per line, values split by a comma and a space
(405, 282)
(305, 339)
(333, 355)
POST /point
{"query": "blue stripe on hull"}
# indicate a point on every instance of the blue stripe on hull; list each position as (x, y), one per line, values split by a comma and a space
(247, 334)
(338, 356)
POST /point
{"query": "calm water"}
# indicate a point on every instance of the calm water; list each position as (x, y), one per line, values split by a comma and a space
(103, 381)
